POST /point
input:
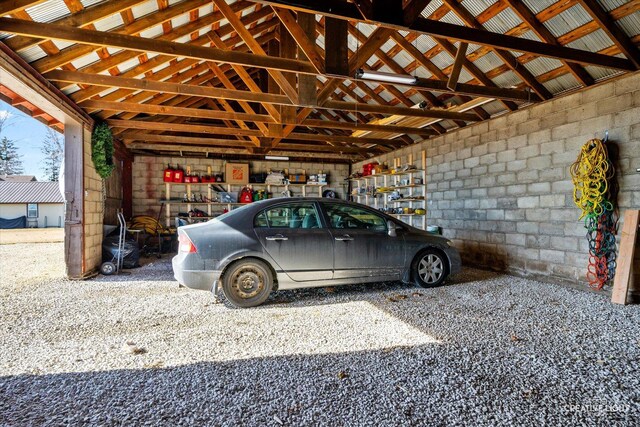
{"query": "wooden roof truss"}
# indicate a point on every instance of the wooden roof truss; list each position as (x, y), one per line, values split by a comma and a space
(249, 78)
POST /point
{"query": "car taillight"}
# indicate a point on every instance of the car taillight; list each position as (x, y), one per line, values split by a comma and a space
(185, 244)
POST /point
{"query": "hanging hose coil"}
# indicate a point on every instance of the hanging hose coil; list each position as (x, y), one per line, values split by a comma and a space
(592, 174)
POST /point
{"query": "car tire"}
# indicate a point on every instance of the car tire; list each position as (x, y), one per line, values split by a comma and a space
(247, 283)
(430, 268)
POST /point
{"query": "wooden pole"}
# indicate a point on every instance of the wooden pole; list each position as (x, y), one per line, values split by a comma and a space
(624, 270)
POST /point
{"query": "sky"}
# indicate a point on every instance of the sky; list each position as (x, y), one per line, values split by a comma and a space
(28, 135)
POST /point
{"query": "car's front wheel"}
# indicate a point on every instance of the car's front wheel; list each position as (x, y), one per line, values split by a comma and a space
(247, 283)
(430, 268)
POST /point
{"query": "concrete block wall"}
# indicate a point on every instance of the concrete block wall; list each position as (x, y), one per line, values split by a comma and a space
(93, 210)
(501, 189)
(149, 188)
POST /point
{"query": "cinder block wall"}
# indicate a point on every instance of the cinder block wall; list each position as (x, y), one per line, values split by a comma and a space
(149, 189)
(502, 190)
(93, 210)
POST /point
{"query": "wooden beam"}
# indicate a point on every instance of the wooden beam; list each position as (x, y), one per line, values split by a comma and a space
(329, 156)
(16, 68)
(306, 44)
(471, 35)
(307, 91)
(80, 19)
(165, 87)
(505, 55)
(140, 44)
(624, 269)
(401, 111)
(362, 126)
(9, 7)
(336, 47)
(257, 49)
(457, 66)
(215, 93)
(164, 110)
(523, 11)
(610, 27)
(181, 127)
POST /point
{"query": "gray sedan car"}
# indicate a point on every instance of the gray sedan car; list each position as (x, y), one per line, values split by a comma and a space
(290, 243)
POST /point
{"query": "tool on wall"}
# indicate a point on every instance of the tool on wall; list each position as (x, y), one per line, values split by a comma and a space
(595, 191)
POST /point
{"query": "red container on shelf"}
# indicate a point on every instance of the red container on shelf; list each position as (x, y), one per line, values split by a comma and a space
(168, 174)
(187, 179)
(178, 174)
(195, 178)
(367, 168)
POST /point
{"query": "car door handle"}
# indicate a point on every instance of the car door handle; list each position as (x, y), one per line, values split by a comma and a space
(277, 238)
(344, 238)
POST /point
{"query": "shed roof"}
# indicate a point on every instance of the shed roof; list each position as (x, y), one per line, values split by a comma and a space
(17, 178)
(30, 192)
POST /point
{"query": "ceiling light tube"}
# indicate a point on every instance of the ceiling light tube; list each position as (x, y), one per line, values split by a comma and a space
(276, 158)
(385, 77)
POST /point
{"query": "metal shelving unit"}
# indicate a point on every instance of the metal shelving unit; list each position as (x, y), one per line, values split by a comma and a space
(415, 195)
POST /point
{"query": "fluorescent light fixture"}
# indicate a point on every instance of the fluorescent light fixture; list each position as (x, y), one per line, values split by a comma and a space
(276, 158)
(385, 77)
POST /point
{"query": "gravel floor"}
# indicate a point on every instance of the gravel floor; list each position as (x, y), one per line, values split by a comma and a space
(486, 349)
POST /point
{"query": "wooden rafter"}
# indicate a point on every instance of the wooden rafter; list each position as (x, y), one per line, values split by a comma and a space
(473, 35)
(541, 31)
(607, 24)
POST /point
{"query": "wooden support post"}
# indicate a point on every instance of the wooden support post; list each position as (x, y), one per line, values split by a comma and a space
(624, 270)
(307, 92)
(74, 200)
(336, 47)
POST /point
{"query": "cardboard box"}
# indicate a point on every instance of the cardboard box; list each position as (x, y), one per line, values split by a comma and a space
(236, 173)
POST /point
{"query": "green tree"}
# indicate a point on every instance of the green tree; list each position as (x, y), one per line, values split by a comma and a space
(53, 150)
(10, 160)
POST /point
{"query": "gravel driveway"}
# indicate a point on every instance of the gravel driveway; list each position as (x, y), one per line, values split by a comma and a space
(486, 349)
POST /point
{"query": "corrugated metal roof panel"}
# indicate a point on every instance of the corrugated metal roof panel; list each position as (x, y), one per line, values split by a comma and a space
(32, 54)
(541, 65)
(599, 73)
(593, 42)
(507, 79)
(30, 192)
(488, 62)
(109, 23)
(431, 7)
(503, 22)
(609, 5)
(562, 84)
(153, 32)
(572, 18)
(48, 11)
(85, 60)
(87, 3)
(537, 6)
(630, 24)
(476, 7)
(452, 18)
(144, 9)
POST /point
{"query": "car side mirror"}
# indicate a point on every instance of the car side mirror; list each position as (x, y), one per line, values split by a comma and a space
(392, 227)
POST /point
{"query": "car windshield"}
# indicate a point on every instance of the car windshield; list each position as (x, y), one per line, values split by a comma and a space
(231, 213)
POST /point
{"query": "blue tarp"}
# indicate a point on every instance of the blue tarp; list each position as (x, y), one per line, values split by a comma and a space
(20, 222)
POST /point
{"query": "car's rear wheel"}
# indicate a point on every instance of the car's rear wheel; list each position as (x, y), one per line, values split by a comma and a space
(247, 283)
(430, 268)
